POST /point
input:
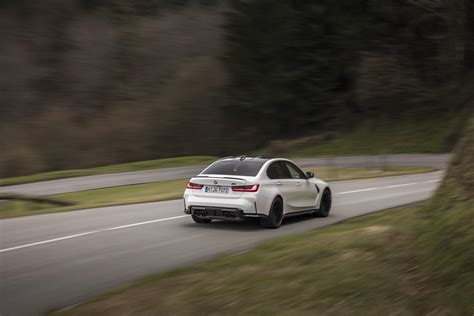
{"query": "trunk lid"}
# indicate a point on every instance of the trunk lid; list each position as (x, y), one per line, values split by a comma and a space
(216, 186)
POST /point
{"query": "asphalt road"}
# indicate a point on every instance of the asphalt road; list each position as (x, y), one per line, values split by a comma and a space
(55, 260)
(146, 176)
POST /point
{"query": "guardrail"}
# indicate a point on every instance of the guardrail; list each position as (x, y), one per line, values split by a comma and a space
(33, 198)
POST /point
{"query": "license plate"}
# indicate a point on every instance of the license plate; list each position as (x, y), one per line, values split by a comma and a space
(214, 189)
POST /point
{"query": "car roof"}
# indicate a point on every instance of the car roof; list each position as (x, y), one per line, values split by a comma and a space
(265, 162)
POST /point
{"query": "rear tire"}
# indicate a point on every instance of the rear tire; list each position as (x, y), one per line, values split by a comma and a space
(201, 220)
(325, 205)
(275, 217)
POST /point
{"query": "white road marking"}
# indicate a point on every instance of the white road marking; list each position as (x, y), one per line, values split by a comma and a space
(177, 217)
(89, 233)
(239, 253)
(386, 187)
(374, 199)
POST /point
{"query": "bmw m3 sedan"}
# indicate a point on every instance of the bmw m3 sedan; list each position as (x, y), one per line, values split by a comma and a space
(270, 189)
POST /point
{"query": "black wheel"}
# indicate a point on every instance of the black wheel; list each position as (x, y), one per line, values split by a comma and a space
(275, 217)
(325, 206)
(201, 220)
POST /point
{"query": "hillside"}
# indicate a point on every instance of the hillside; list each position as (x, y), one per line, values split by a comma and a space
(445, 230)
(89, 83)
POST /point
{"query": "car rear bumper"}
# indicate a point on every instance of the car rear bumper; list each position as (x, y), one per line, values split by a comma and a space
(231, 209)
(247, 203)
(224, 213)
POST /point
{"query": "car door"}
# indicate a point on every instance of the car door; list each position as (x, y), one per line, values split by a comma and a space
(306, 193)
(279, 176)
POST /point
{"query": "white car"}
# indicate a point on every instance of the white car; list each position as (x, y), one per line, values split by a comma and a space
(270, 189)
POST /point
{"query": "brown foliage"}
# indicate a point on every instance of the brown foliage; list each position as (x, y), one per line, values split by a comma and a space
(82, 89)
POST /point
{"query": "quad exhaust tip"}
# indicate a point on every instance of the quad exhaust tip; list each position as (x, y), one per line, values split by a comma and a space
(225, 214)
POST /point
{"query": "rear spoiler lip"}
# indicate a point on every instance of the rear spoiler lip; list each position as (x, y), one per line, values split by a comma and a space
(221, 178)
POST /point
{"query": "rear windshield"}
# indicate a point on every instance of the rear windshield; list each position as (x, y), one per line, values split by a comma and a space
(248, 168)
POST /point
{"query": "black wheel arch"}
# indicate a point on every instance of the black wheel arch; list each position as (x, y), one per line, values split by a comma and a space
(278, 196)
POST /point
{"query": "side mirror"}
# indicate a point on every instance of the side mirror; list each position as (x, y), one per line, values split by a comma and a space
(309, 174)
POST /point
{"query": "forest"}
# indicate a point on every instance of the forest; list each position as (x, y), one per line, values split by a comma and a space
(89, 82)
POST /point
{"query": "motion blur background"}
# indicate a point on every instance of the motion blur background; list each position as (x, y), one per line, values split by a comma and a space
(88, 83)
(94, 82)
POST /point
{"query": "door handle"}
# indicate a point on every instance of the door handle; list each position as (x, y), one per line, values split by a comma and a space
(298, 184)
(279, 183)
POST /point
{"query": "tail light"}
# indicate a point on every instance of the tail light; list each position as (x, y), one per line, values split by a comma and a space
(246, 188)
(195, 186)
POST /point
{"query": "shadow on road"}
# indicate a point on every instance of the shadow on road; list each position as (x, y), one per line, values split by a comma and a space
(248, 225)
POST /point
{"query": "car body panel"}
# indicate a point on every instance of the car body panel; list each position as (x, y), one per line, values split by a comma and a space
(297, 194)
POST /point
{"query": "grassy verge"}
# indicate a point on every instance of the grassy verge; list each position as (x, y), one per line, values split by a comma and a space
(129, 194)
(168, 190)
(133, 166)
(416, 260)
(376, 137)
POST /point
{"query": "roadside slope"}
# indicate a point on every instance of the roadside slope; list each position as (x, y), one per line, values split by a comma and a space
(445, 240)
